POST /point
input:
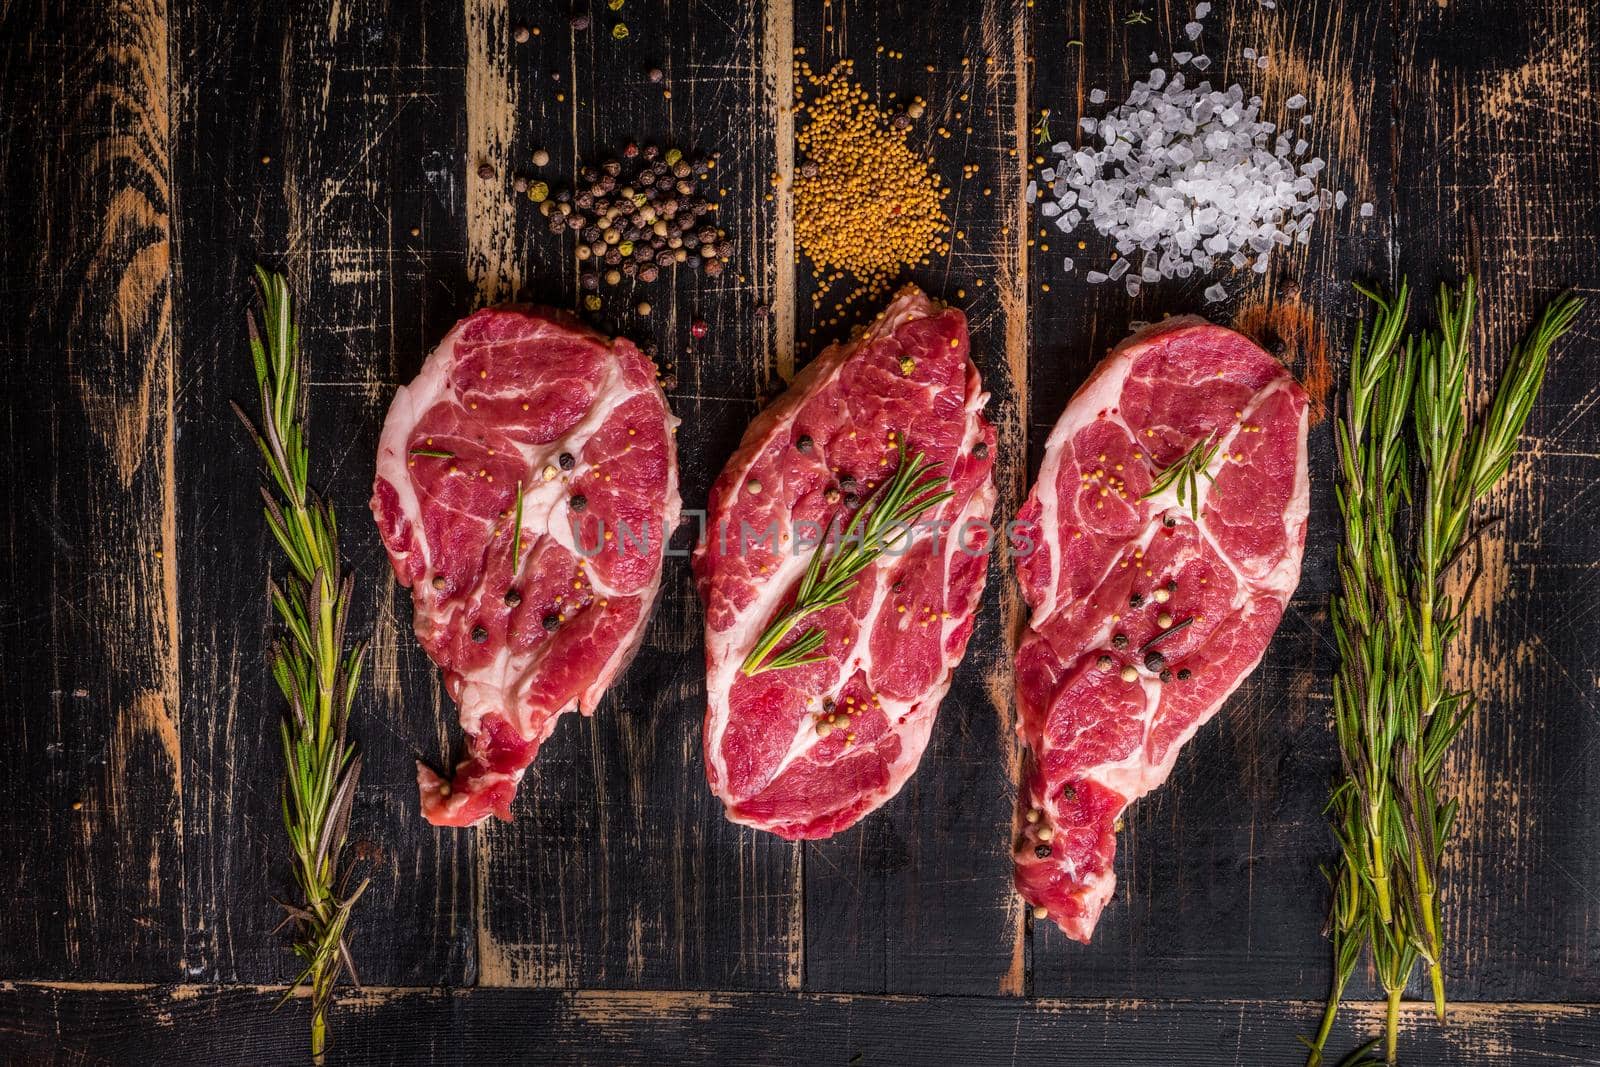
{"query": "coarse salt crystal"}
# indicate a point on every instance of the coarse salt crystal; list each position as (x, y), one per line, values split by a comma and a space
(1192, 30)
(1250, 53)
(1216, 294)
(1367, 210)
(1295, 102)
(1097, 96)
(1066, 264)
(1094, 277)
(1201, 10)
(1180, 58)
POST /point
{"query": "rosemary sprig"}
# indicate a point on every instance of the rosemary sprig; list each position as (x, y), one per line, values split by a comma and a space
(883, 519)
(1185, 473)
(317, 677)
(1393, 619)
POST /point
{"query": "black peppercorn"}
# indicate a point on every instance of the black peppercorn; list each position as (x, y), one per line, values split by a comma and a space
(479, 635)
(565, 461)
(551, 621)
(1154, 661)
(513, 598)
(1119, 641)
(1166, 676)
(804, 443)
(848, 484)
(1183, 674)
(981, 450)
(1136, 599)
(851, 500)
(578, 502)
(1042, 851)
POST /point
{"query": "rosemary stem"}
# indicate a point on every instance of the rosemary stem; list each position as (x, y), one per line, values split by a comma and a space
(1391, 1030)
(319, 1035)
(1380, 864)
(1329, 1012)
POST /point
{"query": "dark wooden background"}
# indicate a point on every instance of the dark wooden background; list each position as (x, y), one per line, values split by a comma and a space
(152, 150)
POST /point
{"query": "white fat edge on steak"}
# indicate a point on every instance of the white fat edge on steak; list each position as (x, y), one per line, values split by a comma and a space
(1131, 777)
(731, 646)
(508, 675)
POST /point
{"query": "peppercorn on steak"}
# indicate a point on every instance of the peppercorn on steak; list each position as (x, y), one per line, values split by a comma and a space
(1170, 519)
(527, 481)
(826, 660)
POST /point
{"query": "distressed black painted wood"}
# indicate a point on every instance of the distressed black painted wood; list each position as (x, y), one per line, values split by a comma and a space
(152, 151)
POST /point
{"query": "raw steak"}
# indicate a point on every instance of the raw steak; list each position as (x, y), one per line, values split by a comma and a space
(806, 751)
(1102, 712)
(525, 401)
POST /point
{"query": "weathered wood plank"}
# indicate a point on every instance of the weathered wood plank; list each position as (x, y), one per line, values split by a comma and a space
(620, 869)
(89, 776)
(1500, 104)
(916, 897)
(1218, 870)
(320, 142)
(203, 1025)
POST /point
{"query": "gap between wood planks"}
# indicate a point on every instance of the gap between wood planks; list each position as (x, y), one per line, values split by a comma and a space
(646, 1001)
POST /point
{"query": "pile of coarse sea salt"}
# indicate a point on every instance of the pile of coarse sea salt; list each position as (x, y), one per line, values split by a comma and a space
(1188, 178)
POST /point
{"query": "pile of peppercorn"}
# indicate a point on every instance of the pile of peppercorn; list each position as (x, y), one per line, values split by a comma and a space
(637, 215)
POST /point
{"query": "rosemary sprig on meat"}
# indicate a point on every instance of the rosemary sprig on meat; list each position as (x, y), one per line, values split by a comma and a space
(1393, 619)
(317, 676)
(885, 517)
(1185, 472)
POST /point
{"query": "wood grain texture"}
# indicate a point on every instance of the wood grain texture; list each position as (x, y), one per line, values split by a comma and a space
(201, 1025)
(153, 150)
(1504, 137)
(315, 144)
(620, 869)
(916, 897)
(1218, 869)
(89, 778)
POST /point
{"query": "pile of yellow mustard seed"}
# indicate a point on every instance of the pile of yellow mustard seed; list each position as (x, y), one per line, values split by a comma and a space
(865, 203)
